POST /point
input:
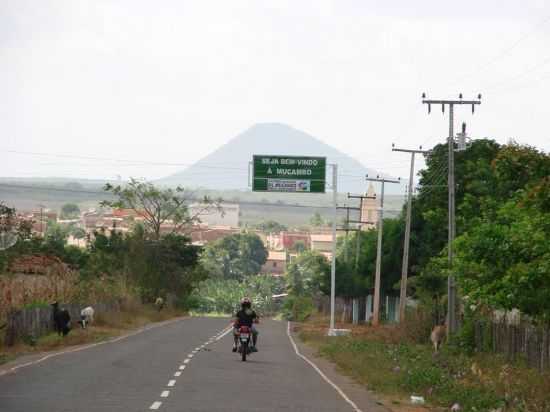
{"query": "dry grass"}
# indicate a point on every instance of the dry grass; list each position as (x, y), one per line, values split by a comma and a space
(389, 361)
(132, 316)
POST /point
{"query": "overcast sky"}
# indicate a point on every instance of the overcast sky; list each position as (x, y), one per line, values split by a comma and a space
(170, 81)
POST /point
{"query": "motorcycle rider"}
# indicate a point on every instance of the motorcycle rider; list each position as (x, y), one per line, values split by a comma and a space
(246, 316)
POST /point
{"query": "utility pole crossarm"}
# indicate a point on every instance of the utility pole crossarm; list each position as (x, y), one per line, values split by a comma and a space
(430, 101)
(395, 149)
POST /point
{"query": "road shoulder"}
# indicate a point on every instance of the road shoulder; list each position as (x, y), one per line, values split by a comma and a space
(365, 400)
(26, 360)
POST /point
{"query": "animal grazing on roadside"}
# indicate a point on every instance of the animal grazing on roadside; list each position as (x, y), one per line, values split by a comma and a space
(86, 316)
(438, 335)
(159, 303)
(61, 320)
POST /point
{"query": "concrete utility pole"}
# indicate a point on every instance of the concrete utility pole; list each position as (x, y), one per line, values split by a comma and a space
(376, 311)
(451, 287)
(405, 263)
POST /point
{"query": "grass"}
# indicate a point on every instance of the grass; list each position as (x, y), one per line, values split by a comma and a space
(382, 359)
(105, 326)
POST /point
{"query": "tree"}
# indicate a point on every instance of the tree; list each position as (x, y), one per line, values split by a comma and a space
(316, 220)
(237, 256)
(159, 206)
(7, 218)
(308, 273)
(271, 226)
(299, 246)
(70, 211)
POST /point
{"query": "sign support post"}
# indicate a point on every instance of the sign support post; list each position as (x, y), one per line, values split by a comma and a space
(331, 331)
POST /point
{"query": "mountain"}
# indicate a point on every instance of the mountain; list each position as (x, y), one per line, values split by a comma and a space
(227, 167)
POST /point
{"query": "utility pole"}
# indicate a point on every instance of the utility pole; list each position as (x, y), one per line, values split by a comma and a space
(376, 311)
(452, 325)
(405, 263)
(361, 198)
(346, 228)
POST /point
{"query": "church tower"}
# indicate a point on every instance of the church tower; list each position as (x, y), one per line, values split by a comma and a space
(369, 210)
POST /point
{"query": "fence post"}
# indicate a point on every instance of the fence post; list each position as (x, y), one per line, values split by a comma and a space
(368, 309)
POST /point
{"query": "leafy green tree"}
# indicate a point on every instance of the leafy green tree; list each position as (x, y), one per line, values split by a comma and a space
(70, 211)
(271, 226)
(505, 263)
(237, 256)
(307, 273)
(159, 206)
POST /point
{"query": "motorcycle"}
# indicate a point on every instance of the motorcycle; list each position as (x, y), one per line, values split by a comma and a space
(244, 335)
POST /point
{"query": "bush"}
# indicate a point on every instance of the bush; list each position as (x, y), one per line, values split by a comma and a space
(298, 308)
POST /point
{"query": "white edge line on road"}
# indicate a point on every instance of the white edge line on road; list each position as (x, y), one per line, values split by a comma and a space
(92, 345)
(165, 394)
(171, 382)
(314, 366)
(155, 405)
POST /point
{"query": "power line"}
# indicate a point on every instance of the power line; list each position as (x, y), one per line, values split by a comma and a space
(503, 53)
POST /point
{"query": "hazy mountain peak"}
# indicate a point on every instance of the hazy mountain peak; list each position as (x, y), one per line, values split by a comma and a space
(227, 166)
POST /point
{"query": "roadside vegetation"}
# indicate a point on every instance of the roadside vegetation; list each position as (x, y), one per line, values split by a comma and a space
(390, 361)
(132, 269)
(502, 256)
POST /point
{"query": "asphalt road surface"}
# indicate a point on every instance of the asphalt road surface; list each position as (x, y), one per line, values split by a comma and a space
(185, 365)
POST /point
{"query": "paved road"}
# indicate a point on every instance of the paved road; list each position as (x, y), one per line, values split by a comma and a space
(181, 366)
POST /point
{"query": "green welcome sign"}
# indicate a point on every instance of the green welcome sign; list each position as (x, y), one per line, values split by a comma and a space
(297, 174)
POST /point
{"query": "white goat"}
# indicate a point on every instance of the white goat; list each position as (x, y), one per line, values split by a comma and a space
(159, 303)
(86, 316)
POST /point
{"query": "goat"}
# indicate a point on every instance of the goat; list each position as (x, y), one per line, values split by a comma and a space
(61, 320)
(438, 335)
(159, 303)
(86, 316)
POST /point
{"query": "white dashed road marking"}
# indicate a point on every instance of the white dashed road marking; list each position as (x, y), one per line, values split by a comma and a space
(172, 382)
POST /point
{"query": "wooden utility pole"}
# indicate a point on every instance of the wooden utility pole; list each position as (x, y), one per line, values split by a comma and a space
(405, 263)
(380, 227)
(451, 287)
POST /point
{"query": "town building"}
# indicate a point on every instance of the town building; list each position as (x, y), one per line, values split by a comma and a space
(275, 263)
(229, 215)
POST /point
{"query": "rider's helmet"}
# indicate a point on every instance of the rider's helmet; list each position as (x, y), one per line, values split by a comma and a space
(245, 303)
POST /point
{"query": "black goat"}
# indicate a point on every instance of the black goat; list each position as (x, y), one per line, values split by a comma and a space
(61, 320)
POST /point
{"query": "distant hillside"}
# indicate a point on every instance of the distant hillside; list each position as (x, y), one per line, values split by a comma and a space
(227, 167)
